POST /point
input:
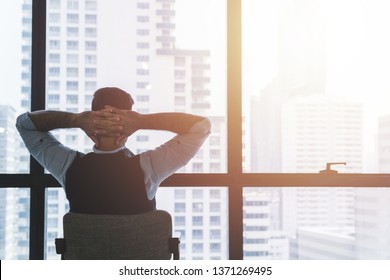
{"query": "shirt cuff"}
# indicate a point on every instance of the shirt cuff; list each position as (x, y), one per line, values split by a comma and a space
(24, 121)
(202, 126)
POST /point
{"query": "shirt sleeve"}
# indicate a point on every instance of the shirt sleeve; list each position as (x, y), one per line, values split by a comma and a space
(45, 148)
(160, 163)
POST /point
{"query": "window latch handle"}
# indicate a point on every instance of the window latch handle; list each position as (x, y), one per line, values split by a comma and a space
(328, 169)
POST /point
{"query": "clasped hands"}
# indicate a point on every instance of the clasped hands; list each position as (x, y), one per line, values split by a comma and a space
(109, 122)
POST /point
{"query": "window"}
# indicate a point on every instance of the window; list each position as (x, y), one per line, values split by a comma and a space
(72, 5)
(53, 98)
(72, 58)
(142, 72)
(143, 98)
(180, 101)
(180, 194)
(142, 18)
(72, 72)
(54, 44)
(72, 18)
(142, 5)
(180, 221)
(54, 17)
(143, 45)
(305, 99)
(142, 85)
(72, 99)
(197, 247)
(90, 86)
(54, 58)
(72, 45)
(180, 207)
(197, 207)
(180, 87)
(142, 58)
(180, 61)
(197, 166)
(90, 32)
(215, 234)
(197, 220)
(142, 32)
(54, 85)
(215, 220)
(180, 74)
(142, 138)
(215, 207)
(215, 247)
(90, 59)
(90, 45)
(90, 72)
(90, 5)
(197, 234)
(90, 19)
(54, 71)
(72, 31)
(54, 4)
(54, 31)
(72, 85)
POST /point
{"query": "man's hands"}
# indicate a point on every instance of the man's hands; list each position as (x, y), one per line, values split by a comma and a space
(109, 122)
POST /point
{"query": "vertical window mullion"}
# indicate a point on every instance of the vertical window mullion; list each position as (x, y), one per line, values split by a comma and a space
(38, 81)
(234, 127)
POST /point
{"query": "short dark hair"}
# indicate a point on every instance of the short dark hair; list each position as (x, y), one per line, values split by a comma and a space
(112, 96)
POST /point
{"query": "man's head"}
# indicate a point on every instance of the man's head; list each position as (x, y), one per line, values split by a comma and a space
(117, 98)
(112, 96)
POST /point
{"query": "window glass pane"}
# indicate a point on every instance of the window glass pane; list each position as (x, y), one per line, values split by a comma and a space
(315, 85)
(56, 207)
(14, 223)
(15, 80)
(316, 223)
(140, 59)
(203, 232)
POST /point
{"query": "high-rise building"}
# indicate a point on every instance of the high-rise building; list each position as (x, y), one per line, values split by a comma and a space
(315, 130)
(8, 163)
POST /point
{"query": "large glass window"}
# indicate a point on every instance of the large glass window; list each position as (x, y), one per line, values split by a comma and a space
(195, 222)
(316, 223)
(315, 86)
(119, 59)
(314, 90)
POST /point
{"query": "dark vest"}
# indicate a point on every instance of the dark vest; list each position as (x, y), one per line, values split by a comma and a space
(107, 184)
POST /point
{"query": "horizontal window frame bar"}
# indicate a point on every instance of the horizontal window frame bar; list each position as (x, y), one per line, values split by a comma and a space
(226, 180)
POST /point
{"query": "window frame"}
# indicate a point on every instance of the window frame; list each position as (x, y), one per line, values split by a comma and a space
(234, 179)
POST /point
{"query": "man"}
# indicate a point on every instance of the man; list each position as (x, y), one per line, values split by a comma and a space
(111, 179)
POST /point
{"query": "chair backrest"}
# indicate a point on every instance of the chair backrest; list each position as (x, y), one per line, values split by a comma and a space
(131, 237)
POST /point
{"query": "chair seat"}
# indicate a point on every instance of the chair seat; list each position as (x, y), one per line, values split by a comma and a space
(118, 237)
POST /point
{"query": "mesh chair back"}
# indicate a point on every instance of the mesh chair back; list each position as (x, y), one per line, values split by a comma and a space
(131, 237)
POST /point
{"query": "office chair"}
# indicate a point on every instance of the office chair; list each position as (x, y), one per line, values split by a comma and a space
(118, 237)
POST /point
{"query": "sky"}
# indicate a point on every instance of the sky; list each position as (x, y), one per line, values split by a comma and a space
(10, 23)
(358, 60)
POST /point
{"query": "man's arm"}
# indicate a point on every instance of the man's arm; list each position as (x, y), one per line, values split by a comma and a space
(44, 147)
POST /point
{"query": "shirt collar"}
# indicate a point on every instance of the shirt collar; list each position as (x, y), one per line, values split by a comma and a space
(97, 151)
